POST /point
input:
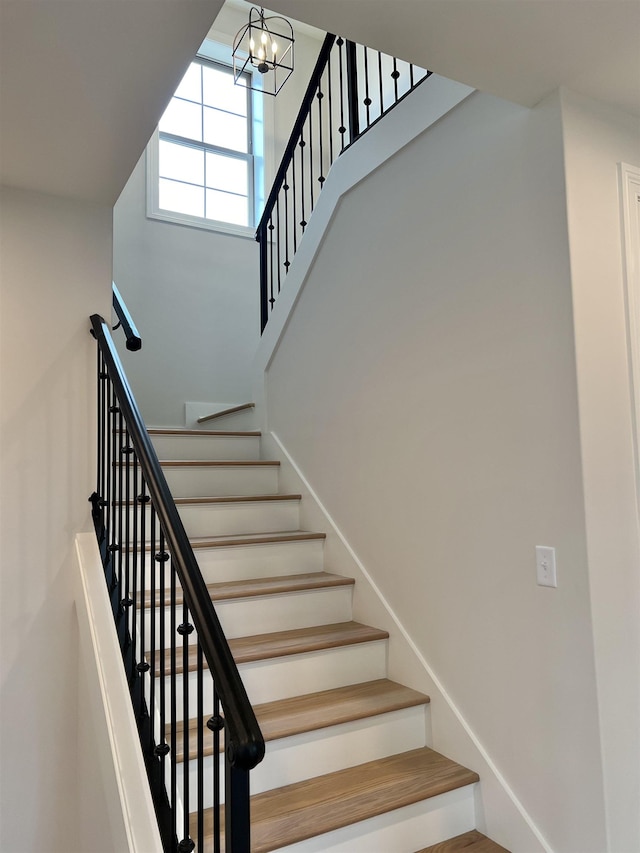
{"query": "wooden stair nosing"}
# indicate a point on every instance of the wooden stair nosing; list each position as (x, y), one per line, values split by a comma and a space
(254, 539)
(256, 587)
(282, 644)
(219, 463)
(224, 412)
(468, 842)
(239, 539)
(236, 499)
(221, 433)
(312, 711)
(291, 814)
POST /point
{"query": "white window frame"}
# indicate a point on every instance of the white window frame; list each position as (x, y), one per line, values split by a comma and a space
(217, 48)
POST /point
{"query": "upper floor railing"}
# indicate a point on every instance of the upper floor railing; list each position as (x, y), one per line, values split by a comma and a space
(351, 88)
(177, 659)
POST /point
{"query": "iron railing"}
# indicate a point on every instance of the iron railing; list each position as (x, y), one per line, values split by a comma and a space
(185, 687)
(352, 87)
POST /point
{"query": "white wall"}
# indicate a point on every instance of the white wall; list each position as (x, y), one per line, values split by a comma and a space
(195, 294)
(426, 388)
(55, 271)
(597, 138)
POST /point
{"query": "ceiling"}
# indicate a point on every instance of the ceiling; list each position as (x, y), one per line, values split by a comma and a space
(520, 50)
(84, 82)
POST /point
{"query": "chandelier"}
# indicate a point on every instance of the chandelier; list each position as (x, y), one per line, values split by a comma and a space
(266, 44)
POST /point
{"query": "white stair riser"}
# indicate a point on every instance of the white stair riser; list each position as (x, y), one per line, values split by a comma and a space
(207, 446)
(243, 562)
(302, 756)
(196, 482)
(237, 518)
(231, 519)
(266, 560)
(293, 675)
(402, 830)
(268, 613)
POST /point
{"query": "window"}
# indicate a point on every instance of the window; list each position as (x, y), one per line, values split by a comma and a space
(202, 166)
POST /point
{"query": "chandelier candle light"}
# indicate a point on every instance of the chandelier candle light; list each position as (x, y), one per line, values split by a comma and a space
(266, 44)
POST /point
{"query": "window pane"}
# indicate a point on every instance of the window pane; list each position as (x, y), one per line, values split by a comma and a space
(183, 198)
(220, 91)
(182, 118)
(227, 208)
(191, 85)
(227, 173)
(225, 130)
(181, 162)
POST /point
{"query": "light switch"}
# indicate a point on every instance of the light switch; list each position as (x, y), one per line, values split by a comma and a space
(546, 565)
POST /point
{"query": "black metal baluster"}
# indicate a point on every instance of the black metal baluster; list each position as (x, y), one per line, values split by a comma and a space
(380, 86)
(173, 676)
(162, 747)
(352, 91)
(264, 292)
(154, 652)
(120, 498)
(310, 137)
(330, 110)
(367, 99)
(278, 240)
(395, 74)
(411, 81)
(321, 177)
(113, 410)
(215, 724)
(137, 606)
(99, 494)
(127, 601)
(342, 129)
(143, 664)
(293, 186)
(287, 262)
(272, 298)
(200, 744)
(302, 143)
(184, 629)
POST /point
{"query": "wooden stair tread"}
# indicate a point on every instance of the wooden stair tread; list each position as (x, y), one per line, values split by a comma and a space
(254, 587)
(223, 433)
(306, 809)
(237, 499)
(219, 463)
(313, 711)
(284, 643)
(254, 538)
(301, 640)
(469, 842)
(224, 412)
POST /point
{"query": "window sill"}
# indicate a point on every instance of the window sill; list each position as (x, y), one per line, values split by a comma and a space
(184, 219)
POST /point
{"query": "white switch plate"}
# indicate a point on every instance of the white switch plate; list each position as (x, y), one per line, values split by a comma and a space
(546, 566)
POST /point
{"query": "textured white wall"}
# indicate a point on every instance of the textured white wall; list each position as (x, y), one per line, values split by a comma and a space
(426, 387)
(56, 266)
(597, 138)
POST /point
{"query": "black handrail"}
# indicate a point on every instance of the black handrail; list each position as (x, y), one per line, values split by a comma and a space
(244, 742)
(134, 341)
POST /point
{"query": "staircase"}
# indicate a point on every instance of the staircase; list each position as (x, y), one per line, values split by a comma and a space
(348, 765)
